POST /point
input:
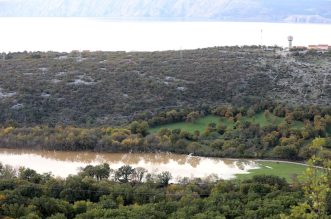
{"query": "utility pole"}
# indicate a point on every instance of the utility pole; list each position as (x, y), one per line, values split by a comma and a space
(261, 37)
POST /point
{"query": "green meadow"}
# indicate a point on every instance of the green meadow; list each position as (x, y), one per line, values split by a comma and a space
(202, 123)
(281, 169)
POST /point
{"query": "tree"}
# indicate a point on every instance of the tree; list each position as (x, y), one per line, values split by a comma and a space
(143, 128)
(270, 140)
(316, 185)
(51, 206)
(319, 124)
(217, 144)
(172, 115)
(134, 126)
(267, 115)
(7, 172)
(16, 210)
(139, 128)
(99, 172)
(75, 188)
(124, 174)
(192, 116)
(88, 171)
(193, 147)
(139, 174)
(29, 175)
(283, 128)
(174, 137)
(308, 131)
(82, 206)
(289, 118)
(164, 131)
(102, 171)
(287, 152)
(164, 178)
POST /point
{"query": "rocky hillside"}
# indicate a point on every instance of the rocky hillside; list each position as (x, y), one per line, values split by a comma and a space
(318, 11)
(112, 87)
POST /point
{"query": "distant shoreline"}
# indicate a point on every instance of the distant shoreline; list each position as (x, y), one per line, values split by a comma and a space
(106, 34)
(152, 19)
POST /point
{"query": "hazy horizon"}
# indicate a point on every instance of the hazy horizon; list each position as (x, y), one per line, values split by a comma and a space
(291, 11)
(67, 34)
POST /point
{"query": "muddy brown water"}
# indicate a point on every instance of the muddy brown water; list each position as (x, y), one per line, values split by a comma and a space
(62, 164)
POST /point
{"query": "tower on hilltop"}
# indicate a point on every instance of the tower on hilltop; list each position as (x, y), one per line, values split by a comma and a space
(290, 40)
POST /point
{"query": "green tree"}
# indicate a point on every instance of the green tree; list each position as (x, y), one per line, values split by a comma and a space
(192, 116)
(316, 185)
(124, 174)
(287, 152)
(139, 128)
(164, 178)
(7, 172)
(102, 171)
(134, 126)
(29, 175)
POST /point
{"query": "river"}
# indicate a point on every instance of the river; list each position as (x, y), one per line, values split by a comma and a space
(66, 34)
(62, 164)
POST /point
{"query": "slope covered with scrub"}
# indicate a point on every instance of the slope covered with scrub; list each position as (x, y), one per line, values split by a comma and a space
(114, 87)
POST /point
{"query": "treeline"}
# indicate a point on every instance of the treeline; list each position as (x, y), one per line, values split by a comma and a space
(100, 192)
(235, 112)
(243, 139)
(27, 194)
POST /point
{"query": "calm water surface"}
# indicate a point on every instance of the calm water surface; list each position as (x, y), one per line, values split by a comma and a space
(66, 34)
(64, 163)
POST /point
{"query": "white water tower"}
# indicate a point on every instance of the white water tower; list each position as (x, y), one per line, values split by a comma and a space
(290, 39)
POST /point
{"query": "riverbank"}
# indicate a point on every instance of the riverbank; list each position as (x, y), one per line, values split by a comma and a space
(291, 171)
(64, 163)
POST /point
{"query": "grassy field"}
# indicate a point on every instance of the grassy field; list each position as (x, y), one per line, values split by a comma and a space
(281, 169)
(260, 119)
(201, 123)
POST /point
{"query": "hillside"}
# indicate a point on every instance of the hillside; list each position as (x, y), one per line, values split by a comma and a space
(316, 11)
(114, 87)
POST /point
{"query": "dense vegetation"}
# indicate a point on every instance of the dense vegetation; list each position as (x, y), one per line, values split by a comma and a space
(110, 88)
(100, 192)
(226, 102)
(261, 131)
(30, 195)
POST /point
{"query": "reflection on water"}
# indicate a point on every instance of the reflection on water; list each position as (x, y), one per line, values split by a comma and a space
(64, 163)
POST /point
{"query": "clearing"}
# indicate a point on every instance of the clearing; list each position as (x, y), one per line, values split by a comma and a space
(282, 169)
(202, 123)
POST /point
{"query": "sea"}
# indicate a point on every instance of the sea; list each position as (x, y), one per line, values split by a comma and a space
(102, 34)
